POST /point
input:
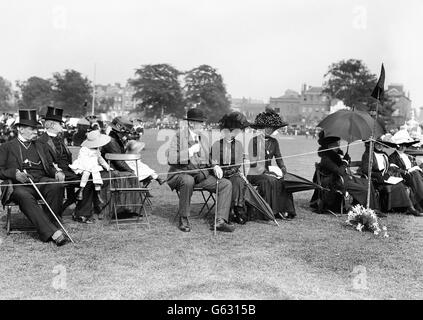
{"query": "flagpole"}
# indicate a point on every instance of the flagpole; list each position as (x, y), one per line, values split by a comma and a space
(377, 95)
(93, 104)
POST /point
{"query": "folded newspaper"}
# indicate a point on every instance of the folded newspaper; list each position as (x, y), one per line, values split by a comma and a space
(393, 180)
(276, 170)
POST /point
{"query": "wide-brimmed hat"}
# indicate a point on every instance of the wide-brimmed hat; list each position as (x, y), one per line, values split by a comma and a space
(268, 119)
(54, 114)
(325, 141)
(403, 138)
(95, 139)
(28, 117)
(121, 124)
(233, 120)
(386, 140)
(195, 114)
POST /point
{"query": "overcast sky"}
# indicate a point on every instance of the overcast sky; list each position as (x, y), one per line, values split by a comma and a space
(261, 47)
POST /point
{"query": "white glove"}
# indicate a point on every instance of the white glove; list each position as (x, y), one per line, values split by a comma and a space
(218, 172)
(193, 149)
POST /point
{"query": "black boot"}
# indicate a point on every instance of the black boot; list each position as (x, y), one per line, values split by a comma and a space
(240, 216)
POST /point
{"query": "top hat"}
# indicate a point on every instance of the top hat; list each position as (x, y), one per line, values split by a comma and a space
(121, 124)
(28, 117)
(54, 114)
(233, 120)
(268, 119)
(195, 114)
(95, 139)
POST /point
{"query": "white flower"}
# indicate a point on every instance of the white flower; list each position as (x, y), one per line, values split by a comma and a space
(384, 228)
(359, 227)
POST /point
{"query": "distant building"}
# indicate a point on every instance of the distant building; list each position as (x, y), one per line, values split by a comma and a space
(115, 98)
(249, 107)
(309, 107)
(402, 103)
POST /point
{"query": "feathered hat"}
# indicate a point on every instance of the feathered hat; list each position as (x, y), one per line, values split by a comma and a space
(269, 118)
(233, 120)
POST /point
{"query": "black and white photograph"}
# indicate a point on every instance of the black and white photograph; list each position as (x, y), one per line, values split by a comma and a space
(211, 155)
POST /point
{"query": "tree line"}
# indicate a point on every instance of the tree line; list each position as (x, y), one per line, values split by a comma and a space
(161, 89)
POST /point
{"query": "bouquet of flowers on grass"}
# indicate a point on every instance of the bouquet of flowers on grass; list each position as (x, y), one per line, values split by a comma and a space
(365, 219)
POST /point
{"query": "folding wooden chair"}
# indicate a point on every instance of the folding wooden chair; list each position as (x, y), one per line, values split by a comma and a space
(129, 185)
(10, 228)
(209, 201)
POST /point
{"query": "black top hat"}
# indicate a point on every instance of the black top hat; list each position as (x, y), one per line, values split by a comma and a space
(54, 114)
(28, 117)
(268, 119)
(195, 114)
(121, 124)
(233, 120)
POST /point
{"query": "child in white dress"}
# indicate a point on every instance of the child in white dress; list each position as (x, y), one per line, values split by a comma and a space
(90, 162)
(144, 171)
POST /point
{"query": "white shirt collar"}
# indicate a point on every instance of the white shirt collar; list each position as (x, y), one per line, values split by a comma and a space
(22, 138)
(51, 134)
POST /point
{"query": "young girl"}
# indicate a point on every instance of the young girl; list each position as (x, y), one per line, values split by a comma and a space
(144, 171)
(90, 162)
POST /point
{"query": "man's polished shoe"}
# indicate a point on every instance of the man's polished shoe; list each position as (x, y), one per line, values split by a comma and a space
(62, 240)
(379, 213)
(240, 219)
(184, 224)
(414, 212)
(221, 225)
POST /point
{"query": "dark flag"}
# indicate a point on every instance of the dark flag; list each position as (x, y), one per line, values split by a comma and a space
(378, 91)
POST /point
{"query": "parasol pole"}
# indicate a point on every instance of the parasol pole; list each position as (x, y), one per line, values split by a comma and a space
(371, 154)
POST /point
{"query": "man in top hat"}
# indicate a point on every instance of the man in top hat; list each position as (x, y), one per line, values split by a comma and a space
(61, 155)
(190, 166)
(26, 158)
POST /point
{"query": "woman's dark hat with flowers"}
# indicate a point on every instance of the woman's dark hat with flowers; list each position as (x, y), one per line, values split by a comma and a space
(195, 114)
(325, 141)
(233, 120)
(28, 117)
(121, 124)
(267, 119)
(54, 114)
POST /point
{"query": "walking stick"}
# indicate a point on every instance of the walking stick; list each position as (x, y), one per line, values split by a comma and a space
(215, 208)
(48, 206)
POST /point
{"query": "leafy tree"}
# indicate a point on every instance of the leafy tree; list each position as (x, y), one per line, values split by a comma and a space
(158, 90)
(37, 93)
(352, 82)
(205, 89)
(71, 91)
(5, 94)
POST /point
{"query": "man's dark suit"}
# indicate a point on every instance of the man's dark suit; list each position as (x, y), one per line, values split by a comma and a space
(62, 156)
(25, 195)
(199, 166)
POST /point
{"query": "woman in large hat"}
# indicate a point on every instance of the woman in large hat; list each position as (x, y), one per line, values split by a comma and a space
(335, 176)
(228, 154)
(262, 149)
(406, 165)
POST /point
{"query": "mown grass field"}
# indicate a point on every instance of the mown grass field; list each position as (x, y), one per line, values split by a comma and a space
(311, 257)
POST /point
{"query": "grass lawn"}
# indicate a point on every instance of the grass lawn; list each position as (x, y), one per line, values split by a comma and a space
(311, 257)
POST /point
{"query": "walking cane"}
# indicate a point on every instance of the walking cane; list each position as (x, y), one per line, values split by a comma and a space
(45, 202)
(215, 208)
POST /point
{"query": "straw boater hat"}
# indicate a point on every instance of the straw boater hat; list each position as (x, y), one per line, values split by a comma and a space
(267, 119)
(95, 139)
(233, 120)
(196, 115)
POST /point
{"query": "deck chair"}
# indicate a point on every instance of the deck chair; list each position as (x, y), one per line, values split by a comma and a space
(132, 187)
